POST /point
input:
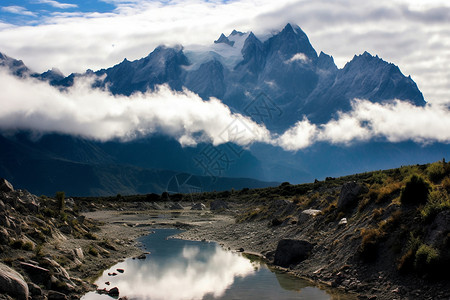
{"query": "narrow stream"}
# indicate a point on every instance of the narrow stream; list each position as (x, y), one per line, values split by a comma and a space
(180, 269)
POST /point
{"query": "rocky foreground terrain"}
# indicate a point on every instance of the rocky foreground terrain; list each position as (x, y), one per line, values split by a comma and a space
(48, 250)
(378, 235)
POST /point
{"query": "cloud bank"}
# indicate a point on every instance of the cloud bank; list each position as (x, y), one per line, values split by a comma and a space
(29, 104)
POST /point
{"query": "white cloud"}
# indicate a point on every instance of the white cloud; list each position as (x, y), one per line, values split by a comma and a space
(396, 121)
(299, 57)
(18, 10)
(29, 104)
(57, 4)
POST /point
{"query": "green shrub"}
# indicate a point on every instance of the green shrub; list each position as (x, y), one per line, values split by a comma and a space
(415, 191)
(406, 262)
(17, 244)
(369, 243)
(427, 259)
(437, 202)
(28, 246)
(446, 184)
(436, 171)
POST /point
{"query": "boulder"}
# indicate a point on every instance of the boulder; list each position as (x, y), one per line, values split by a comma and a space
(2, 206)
(12, 283)
(198, 206)
(218, 205)
(349, 194)
(5, 186)
(290, 251)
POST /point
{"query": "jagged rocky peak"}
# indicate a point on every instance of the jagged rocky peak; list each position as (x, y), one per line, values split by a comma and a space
(16, 67)
(224, 40)
(291, 41)
(235, 32)
(326, 62)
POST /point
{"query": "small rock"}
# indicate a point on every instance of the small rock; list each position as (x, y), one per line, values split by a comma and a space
(142, 256)
(241, 249)
(120, 270)
(343, 221)
(78, 252)
(113, 292)
(107, 283)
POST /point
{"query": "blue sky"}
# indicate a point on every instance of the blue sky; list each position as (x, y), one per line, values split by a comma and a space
(33, 12)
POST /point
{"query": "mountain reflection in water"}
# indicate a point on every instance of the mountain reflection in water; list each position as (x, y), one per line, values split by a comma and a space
(179, 269)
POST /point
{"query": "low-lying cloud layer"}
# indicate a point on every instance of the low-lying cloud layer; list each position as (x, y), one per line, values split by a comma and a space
(29, 104)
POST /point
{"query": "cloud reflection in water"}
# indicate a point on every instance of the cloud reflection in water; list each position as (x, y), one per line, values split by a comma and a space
(192, 274)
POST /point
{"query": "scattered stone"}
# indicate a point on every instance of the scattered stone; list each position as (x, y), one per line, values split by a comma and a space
(241, 249)
(142, 256)
(290, 251)
(343, 222)
(218, 205)
(107, 283)
(113, 292)
(349, 194)
(6, 186)
(12, 283)
(112, 274)
(198, 206)
(120, 270)
(78, 252)
(54, 295)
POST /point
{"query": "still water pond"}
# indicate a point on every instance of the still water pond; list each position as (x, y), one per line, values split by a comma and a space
(179, 269)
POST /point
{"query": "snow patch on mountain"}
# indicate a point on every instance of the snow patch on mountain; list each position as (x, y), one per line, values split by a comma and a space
(228, 53)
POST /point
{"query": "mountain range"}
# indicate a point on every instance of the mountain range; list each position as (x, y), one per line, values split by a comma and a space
(276, 81)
